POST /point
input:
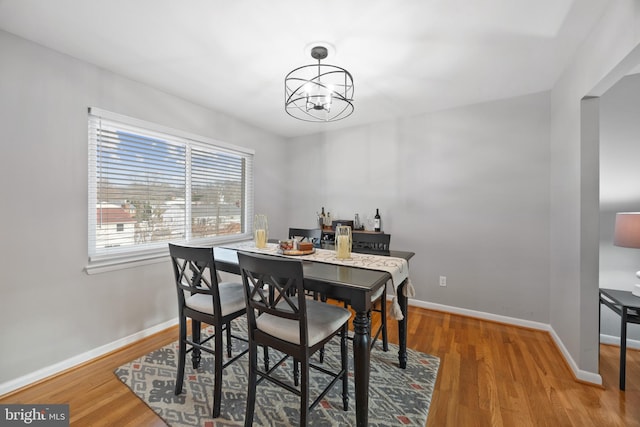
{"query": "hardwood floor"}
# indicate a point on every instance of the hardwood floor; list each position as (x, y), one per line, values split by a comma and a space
(490, 375)
(498, 375)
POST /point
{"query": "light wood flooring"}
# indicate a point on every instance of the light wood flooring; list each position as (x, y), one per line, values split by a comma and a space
(490, 375)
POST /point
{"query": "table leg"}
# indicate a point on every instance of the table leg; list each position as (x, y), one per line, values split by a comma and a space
(361, 362)
(623, 347)
(599, 325)
(195, 336)
(402, 326)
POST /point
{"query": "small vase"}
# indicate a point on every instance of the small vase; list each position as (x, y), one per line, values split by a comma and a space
(261, 231)
(343, 242)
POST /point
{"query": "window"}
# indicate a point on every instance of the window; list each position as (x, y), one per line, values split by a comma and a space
(149, 185)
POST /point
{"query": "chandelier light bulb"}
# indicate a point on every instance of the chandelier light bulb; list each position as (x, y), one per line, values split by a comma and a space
(308, 88)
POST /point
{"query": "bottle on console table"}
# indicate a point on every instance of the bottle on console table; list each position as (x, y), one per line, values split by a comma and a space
(377, 221)
(321, 219)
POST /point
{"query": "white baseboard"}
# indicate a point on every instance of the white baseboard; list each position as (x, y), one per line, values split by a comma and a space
(610, 339)
(586, 376)
(40, 374)
(581, 375)
(480, 315)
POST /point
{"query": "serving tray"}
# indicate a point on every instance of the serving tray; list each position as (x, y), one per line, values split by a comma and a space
(295, 252)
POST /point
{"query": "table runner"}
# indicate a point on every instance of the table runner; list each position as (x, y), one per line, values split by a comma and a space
(397, 267)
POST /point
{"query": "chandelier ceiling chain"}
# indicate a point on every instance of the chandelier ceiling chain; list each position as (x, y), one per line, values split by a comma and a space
(319, 92)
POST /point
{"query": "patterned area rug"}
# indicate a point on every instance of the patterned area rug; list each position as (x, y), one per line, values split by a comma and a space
(396, 396)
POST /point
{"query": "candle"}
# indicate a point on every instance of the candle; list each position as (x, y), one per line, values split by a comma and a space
(261, 238)
(343, 246)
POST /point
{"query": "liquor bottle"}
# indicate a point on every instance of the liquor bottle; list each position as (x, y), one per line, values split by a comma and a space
(321, 220)
(376, 221)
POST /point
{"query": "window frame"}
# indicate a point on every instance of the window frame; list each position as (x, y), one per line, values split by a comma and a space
(130, 256)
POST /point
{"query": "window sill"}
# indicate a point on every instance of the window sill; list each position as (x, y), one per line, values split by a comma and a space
(106, 263)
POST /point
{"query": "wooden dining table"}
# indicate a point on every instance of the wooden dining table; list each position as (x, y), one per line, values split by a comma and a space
(355, 286)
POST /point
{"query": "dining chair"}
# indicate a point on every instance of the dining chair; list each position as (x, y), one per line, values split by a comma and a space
(375, 244)
(371, 243)
(313, 235)
(203, 299)
(290, 323)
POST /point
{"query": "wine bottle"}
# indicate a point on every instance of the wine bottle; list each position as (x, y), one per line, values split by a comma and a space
(322, 219)
(376, 221)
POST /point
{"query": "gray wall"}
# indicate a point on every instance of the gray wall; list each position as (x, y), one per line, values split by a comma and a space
(619, 191)
(574, 248)
(50, 309)
(466, 189)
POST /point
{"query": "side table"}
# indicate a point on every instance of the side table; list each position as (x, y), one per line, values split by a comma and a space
(627, 306)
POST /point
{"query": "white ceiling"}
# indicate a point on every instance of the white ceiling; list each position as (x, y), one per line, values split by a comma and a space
(406, 57)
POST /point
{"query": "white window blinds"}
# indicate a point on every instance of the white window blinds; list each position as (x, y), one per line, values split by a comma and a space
(149, 185)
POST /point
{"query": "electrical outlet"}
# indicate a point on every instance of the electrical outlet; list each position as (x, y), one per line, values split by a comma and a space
(443, 280)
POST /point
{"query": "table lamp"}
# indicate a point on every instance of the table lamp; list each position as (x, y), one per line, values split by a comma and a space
(627, 235)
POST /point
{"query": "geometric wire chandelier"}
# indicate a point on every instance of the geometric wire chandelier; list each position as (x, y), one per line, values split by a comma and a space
(318, 92)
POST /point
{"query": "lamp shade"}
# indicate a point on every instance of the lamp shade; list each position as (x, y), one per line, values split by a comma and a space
(627, 230)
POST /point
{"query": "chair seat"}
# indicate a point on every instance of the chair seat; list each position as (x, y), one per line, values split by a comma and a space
(323, 320)
(231, 299)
